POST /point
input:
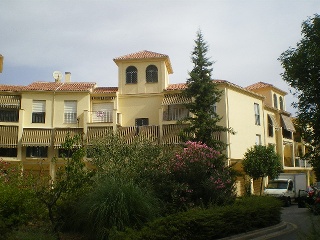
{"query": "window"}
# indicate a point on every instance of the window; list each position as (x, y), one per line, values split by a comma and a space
(37, 152)
(258, 139)
(9, 115)
(38, 111)
(281, 103)
(270, 127)
(275, 101)
(152, 74)
(70, 111)
(142, 122)
(175, 112)
(8, 152)
(131, 74)
(257, 114)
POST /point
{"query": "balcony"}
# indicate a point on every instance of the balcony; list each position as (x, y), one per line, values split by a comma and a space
(101, 116)
(302, 163)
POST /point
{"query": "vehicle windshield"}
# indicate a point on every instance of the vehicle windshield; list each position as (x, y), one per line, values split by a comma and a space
(277, 185)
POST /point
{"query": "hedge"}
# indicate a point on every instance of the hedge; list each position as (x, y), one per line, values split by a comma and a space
(246, 214)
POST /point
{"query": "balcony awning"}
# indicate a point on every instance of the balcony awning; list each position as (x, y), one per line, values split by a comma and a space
(287, 123)
(36, 137)
(9, 101)
(8, 136)
(170, 99)
(61, 133)
(274, 121)
(98, 133)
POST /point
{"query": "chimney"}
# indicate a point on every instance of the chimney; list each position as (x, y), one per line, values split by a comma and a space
(1, 63)
(67, 77)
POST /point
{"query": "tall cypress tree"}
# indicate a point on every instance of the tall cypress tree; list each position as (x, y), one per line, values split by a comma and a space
(203, 124)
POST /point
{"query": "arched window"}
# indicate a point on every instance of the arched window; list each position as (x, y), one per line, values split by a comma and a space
(275, 101)
(131, 74)
(281, 103)
(152, 74)
(270, 127)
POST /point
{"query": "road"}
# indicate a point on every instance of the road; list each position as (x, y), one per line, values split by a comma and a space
(304, 223)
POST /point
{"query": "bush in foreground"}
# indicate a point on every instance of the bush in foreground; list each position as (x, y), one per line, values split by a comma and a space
(244, 215)
(114, 204)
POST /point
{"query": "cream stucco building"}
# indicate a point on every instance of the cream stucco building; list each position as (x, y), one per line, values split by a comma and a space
(35, 119)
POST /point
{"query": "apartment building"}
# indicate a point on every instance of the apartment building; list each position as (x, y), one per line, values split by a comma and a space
(35, 119)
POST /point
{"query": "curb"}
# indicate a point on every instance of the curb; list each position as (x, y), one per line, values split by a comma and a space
(264, 233)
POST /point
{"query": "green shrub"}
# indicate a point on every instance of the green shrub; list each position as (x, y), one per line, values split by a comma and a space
(18, 203)
(114, 203)
(203, 177)
(217, 222)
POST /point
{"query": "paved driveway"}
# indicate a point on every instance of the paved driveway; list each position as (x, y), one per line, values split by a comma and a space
(306, 225)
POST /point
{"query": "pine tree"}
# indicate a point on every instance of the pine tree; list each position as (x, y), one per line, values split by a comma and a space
(203, 124)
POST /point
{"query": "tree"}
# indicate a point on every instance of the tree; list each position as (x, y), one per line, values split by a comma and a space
(204, 94)
(261, 161)
(61, 194)
(302, 72)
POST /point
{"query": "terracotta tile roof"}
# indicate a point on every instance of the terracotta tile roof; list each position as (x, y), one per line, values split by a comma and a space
(11, 88)
(142, 55)
(182, 86)
(105, 90)
(260, 85)
(59, 86)
(146, 55)
(176, 86)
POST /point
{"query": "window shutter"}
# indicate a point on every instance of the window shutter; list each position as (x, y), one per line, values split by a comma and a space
(70, 106)
(39, 106)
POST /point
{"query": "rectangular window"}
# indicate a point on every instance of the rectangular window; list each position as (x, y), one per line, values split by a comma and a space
(70, 111)
(9, 115)
(257, 114)
(8, 152)
(258, 139)
(38, 111)
(142, 122)
(37, 152)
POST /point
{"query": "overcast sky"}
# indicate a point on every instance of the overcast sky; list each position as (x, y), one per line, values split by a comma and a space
(245, 37)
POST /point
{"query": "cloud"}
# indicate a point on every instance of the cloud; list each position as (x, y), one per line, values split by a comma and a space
(245, 36)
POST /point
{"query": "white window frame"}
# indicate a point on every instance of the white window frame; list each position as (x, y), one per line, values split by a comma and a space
(258, 139)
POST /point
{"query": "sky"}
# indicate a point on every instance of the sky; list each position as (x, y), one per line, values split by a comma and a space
(245, 37)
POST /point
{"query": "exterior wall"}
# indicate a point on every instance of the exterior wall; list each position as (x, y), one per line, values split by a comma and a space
(241, 118)
(142, 86)
(26, 105)
(83, 103)
(132, 107)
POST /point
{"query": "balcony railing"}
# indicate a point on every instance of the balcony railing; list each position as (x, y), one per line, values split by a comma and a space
(175, 114)
(70, 117)
(101, 116)
(302, 163)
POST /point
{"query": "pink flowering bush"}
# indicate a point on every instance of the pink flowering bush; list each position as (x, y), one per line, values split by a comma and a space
(202, 176)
